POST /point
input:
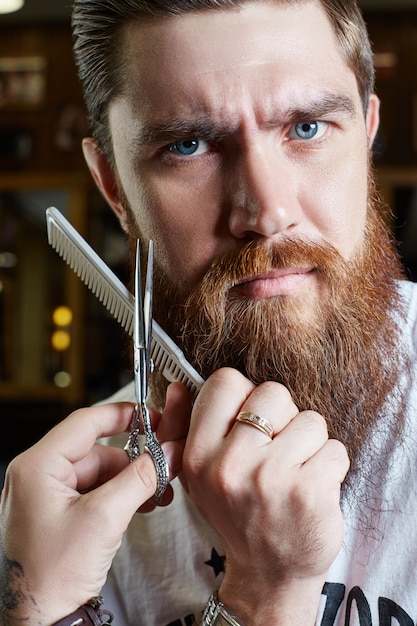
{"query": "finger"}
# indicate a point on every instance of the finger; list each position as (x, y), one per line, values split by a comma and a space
(331, 462)
(270, 401)
(216, 407)
(98, 466)
(301, 439)
(74, 437)
(104, 462)
(173, 452)
(136, 483)
(175, 419)
(152, 504)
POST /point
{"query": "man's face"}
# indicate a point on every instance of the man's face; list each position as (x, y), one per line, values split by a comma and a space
(237, 126)
(241, 148)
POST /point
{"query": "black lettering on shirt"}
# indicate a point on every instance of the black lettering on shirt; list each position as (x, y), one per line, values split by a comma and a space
(357, 606)
(357, 596)
(335, 593)
(387, 609)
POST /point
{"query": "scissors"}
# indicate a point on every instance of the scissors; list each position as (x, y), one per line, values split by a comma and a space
(142, 367)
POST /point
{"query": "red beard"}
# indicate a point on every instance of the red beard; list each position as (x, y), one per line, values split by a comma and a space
(339, 354)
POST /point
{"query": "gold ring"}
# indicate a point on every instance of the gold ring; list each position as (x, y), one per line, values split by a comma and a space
(258, 422)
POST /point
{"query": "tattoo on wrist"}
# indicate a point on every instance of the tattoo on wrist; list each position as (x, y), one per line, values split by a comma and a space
(14, 593)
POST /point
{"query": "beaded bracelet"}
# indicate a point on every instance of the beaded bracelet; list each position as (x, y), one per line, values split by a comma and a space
(90, 613)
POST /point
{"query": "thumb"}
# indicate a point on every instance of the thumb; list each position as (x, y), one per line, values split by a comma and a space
(136, 483)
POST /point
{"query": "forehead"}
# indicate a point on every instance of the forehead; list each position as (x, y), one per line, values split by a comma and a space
(261, 55)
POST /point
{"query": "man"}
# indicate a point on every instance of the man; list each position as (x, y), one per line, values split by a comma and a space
(237, 136)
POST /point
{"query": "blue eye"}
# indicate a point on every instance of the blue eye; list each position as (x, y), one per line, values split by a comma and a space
(308, 130)
(188, 147)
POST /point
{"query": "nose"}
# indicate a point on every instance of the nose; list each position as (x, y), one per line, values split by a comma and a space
(263, 194)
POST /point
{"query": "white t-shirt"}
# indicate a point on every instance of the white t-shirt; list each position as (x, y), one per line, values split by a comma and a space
(170, 560)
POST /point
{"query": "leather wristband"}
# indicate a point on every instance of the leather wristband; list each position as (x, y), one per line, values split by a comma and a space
(88, 615)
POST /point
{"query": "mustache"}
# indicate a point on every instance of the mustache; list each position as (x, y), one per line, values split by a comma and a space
(257, 257)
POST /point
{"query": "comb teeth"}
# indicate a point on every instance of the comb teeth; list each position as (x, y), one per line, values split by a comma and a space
(115, 298)
(171, 370)
(111, 292)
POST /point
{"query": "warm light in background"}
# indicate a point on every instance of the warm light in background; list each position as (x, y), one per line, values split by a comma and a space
(62, 316)
(61, 340)
(8, 6)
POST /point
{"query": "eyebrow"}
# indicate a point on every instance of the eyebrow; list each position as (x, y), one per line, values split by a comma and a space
(173, 129)
(323, 107)
(204, 127)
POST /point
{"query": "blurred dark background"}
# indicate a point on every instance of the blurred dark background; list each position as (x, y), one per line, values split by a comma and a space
(59, 347)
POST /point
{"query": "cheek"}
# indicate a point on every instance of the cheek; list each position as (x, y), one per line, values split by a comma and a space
(182, 221)
(340, 209)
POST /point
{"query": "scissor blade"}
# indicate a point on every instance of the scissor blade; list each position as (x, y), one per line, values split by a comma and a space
(139, 325)
(139, 339)
(147, 305)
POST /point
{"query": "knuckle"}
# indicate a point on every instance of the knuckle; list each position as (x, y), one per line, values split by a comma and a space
(276, 391)
(339, 453)
(261, 480)
(227, 474)
(226, 376)
(311, 426)
(303, 494)
(313, 420)
(223, 474)
(22, 466)
(192, 461)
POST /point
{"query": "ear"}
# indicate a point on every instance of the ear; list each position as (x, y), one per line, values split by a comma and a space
(103, 175)
(372, 119)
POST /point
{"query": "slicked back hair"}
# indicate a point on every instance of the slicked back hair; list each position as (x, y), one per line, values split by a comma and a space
(98, 27)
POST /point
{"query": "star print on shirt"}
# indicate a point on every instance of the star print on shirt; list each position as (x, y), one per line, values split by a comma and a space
(216, 562)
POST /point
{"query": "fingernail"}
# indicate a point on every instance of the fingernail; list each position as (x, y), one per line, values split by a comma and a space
(173, 453)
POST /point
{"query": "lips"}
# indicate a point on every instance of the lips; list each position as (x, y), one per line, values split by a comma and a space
(276, 283)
